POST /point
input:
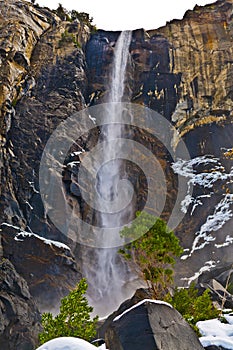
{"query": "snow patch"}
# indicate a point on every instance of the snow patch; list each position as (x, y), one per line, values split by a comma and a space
(208, 265)
(228, 241)
(9, 225)
(217, 341)
(189, 168)
(30, 206)
(69, 343)
(140, 303)
(73, 164)
(229, 318)
(32, 185)
(221, 215)
(92, 119)
(23, 234)
(77, 153)
(216, 333)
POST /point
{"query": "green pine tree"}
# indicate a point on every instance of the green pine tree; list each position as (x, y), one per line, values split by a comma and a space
(74, 317)
(153, 253)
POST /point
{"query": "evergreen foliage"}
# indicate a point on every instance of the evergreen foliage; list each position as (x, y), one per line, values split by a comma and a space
(70, 16)
(73, 320)
(153, 253)
(193, 307)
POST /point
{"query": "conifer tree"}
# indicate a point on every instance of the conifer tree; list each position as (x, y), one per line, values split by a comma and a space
(153, 253)
(73, 320)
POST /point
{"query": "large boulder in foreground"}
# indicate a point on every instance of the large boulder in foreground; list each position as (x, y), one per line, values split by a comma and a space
(151, 325)
(19, 316)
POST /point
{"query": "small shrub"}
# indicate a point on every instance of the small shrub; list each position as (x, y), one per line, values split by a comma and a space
(69, 38)
(230, 288)
(193, 307)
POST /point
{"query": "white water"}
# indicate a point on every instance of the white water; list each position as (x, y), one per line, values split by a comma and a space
(110, 174)
(109, 275)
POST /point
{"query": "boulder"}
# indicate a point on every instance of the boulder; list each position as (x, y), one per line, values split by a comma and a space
(151, 325)
(139, 295)
(19, 316)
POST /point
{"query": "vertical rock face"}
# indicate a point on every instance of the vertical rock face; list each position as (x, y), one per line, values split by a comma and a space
(43, 80)
(184, 71)
(48, 266)
(19, 316)
(201, 49)
(52, 88)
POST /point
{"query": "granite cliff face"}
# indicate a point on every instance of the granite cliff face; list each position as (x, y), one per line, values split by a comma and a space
(184, 71)
(50, 69)
(20, 318)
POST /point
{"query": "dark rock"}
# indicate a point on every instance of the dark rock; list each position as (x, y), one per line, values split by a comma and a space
(139, 295)
(19, 316)
(214, 347)
(151, 326)
(218, 280)
(49, 268)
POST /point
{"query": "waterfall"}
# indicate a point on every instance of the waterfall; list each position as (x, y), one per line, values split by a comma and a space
(110, 174)
(109, 275)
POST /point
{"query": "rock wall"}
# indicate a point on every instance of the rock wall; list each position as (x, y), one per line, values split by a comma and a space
(20, 318)
(184, 72)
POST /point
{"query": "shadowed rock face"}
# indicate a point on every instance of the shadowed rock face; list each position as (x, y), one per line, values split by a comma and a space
(19, 316)
(214, 347)
(48, 267)
(184, 71)
(151, 326)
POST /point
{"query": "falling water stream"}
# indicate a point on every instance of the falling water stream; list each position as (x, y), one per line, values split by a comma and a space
(109, 276)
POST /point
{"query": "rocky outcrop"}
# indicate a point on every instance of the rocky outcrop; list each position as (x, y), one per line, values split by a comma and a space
(52, 88)
(138, 296)
(19, 316)
(42, 83)
(184, 71)
(151, 325)
(201, 48)
(48, 266)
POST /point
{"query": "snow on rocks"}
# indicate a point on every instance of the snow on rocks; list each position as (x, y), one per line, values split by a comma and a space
(69, 343)
(214, 222)
(217, 333)
(213, 172)
(206, 267)
(204, 172)
(140, 303)
(23, 235)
